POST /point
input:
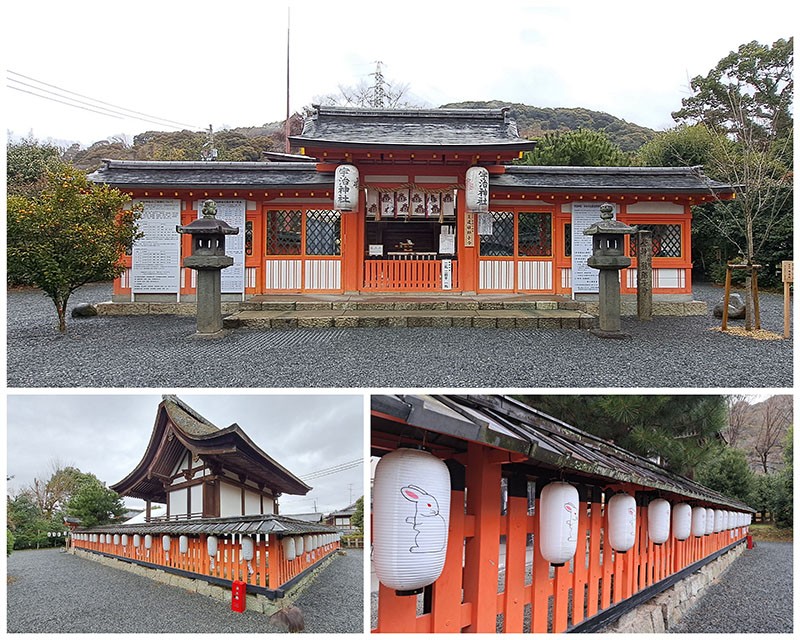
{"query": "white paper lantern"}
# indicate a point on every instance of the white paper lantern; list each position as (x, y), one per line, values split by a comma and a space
(477, 190)
(658, 516)
(621, 522)
(137, 540)
(166, 543)
(411, 514)
(558, 522)
(307, 543)
(248, 548)
(717, 521)
(681, 521)
(345, 188)
(124, 540)
(211, 546)
(183, 544)
(148, 541)
(289, 548)
(710, 516)
(116, 538)
(298, 545)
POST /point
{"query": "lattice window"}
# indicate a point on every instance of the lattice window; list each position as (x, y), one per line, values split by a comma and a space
(666, 240)
(568, 239)
(283, 232)
(323, 233)
(535, 234)
(248, 238)
(499, 241)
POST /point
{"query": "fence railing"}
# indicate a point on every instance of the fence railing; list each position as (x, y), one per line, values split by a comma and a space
(495, 578)
(408, 275)
(269, 568)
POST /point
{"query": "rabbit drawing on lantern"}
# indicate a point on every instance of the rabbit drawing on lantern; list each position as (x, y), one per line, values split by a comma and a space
(430, 526)
(572, 510)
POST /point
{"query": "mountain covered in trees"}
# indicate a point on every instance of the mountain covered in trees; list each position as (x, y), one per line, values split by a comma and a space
(249, 143)
(535, 122)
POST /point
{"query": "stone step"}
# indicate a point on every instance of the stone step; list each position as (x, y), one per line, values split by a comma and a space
(357, 317)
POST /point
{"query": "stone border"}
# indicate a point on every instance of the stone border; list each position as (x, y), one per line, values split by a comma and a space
(665, 610)
(254, 601)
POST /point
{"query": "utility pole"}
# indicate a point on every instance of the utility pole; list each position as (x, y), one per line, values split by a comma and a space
(350, 487)
(286, 124)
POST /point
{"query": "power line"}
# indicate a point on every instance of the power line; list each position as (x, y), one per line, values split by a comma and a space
(145, 116)
(69, 104)
(344, 466)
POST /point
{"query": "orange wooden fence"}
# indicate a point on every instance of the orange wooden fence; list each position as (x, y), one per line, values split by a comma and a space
(269, 567)
(487, 535)
(407, 275)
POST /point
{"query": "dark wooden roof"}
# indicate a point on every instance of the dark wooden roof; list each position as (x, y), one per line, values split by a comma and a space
(203, 175)
(178, 428)
(608, 179)
(445, 129)
(554, 448)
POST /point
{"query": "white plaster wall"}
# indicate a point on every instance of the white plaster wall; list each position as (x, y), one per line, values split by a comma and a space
(230, 500)
(177, 502)
(252, 503)
(197, 498)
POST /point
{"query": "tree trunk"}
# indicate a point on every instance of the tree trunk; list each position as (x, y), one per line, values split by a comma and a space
(61, 310)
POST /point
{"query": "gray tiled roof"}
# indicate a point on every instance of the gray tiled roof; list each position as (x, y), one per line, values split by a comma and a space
(200, 175)
(450, 129)
(507, 424)
(612, 179)
(247, 525)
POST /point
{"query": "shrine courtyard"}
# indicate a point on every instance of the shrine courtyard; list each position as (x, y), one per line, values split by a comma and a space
(160, 351)
(50, 591)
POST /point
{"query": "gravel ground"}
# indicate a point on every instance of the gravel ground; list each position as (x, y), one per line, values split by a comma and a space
(753, 596)
(54, 592)
(157, 351)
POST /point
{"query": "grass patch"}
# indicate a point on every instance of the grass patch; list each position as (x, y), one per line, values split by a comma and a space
(770, 533)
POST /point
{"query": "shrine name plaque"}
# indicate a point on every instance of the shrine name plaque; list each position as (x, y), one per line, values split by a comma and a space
(155, 266)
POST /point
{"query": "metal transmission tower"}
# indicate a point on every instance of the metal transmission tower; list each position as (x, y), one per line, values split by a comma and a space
(378, 93)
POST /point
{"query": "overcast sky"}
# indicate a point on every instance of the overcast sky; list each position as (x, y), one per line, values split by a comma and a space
(107, 435)
(199, 63)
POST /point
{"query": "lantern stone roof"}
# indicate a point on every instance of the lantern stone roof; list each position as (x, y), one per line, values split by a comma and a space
(554, 448)
(179, 428)
(244, 525)
(201, 175)
(682, 180)
(446, 129)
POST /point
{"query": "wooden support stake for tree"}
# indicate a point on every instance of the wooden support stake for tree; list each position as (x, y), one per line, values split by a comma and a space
(726, 301)
(787, 275)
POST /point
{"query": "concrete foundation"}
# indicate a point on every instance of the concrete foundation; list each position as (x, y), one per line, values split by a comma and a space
(665, 610)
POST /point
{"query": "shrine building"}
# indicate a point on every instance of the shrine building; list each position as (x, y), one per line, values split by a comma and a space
(222, 524)
(389, 200)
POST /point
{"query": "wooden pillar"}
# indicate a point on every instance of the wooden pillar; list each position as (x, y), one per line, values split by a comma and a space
(595, 568)
(446, 592)
(541, 588)
(516, 537)
(480, 568)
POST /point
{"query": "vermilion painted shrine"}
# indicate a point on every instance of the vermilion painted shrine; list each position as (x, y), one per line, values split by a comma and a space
(412, 226)
(222, 522)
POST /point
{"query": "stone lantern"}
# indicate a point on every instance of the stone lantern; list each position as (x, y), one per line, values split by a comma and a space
(608, 256)
(208, 259)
